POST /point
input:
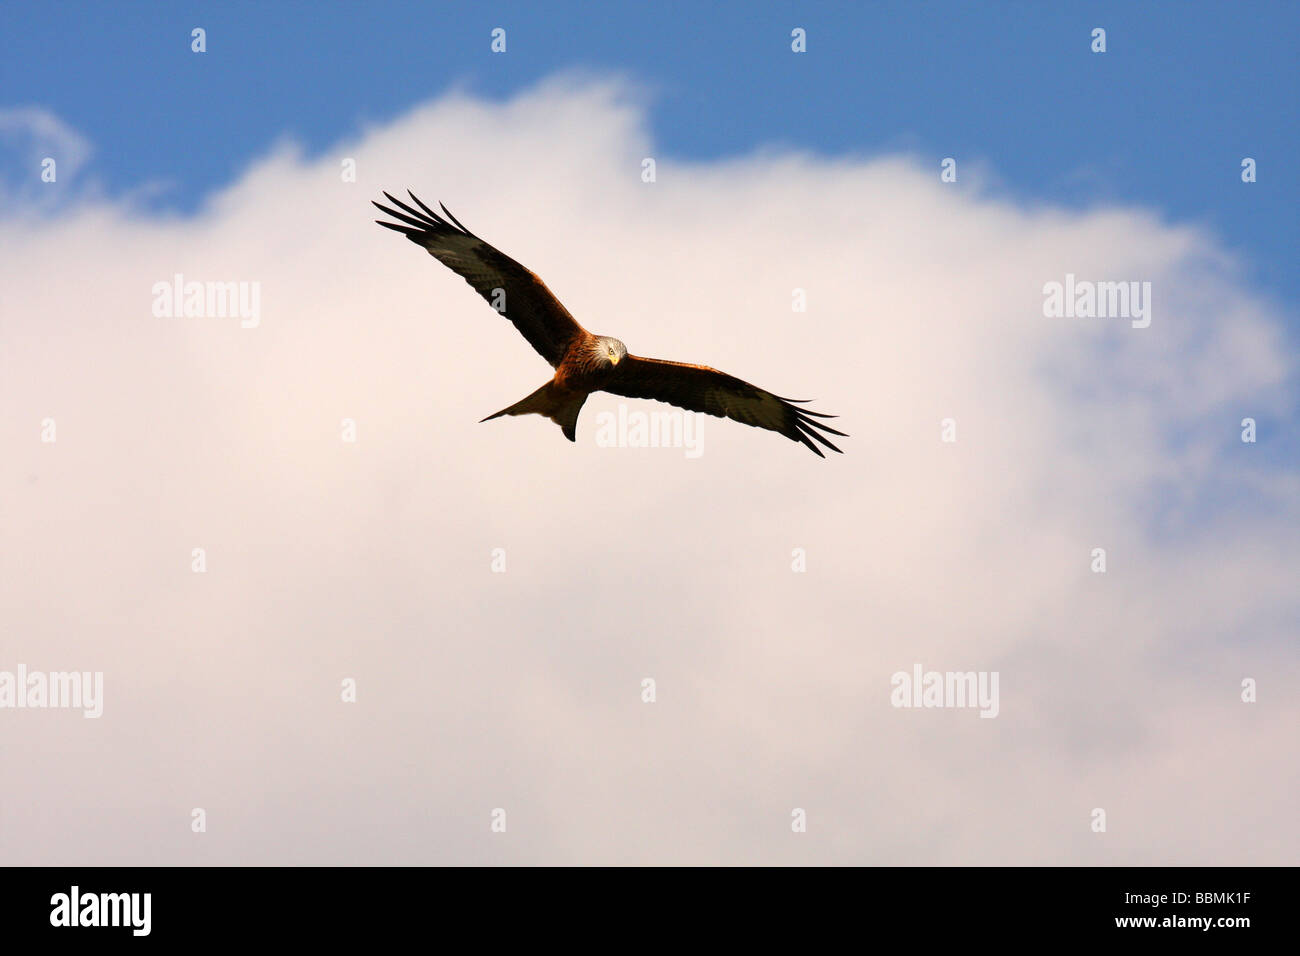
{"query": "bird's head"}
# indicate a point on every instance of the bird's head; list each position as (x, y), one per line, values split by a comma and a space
(609, 352)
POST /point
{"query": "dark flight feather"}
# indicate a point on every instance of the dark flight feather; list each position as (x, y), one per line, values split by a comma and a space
(699, 388)
(535, 312)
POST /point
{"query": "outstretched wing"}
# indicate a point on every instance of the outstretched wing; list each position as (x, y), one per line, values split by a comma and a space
(699, 388)
(505, 284)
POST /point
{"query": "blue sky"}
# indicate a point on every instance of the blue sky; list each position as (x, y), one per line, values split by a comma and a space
(1161, 119)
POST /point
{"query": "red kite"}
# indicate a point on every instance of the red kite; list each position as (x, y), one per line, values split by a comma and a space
(586, 363)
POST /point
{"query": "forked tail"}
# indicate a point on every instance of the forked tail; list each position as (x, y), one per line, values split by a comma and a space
(559, 405)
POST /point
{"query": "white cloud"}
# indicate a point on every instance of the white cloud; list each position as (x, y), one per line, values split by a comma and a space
(522, 690)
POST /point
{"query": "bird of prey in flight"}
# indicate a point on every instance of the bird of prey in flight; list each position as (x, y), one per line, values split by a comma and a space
(586, 363)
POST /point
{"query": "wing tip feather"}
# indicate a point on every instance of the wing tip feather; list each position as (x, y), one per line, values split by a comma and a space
(422, 218)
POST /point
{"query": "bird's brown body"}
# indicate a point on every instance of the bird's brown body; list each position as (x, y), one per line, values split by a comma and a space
(586, 363)
(580, 370)
(584, 368)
